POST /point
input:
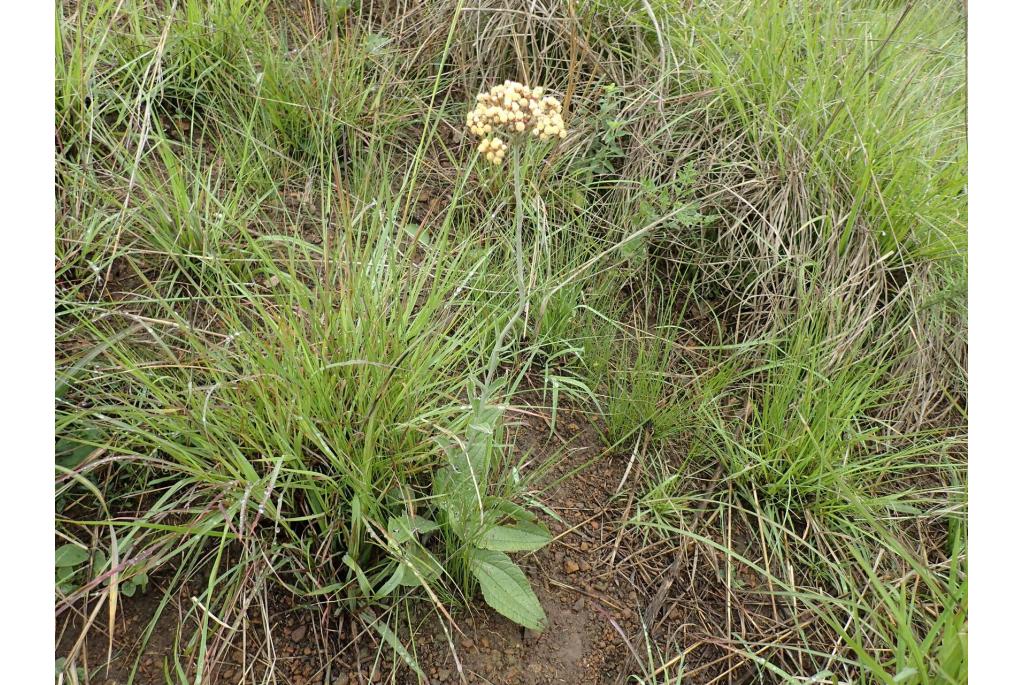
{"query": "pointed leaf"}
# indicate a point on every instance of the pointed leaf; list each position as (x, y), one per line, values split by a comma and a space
(522, 537)
(506, 588)
(448, 499)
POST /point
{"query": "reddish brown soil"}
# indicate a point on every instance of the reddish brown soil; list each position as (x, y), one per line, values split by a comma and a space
(586, 600)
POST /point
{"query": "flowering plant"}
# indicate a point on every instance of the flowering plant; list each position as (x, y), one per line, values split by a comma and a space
(486, 524)
(513, 108)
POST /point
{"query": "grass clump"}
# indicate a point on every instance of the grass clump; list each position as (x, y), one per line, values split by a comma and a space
(297, 311)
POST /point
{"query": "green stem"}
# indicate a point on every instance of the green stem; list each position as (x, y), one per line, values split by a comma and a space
(492, 365)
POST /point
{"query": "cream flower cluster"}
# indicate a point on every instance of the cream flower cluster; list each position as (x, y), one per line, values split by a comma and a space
(513, 108)
(493, 148)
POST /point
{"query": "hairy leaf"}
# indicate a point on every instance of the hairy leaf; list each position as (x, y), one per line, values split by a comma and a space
(506, 588)
(522, 537)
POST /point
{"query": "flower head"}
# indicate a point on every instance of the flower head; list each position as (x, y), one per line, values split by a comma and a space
(513, 108)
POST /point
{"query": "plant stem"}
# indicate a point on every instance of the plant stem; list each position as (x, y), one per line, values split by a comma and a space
(492, 365)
